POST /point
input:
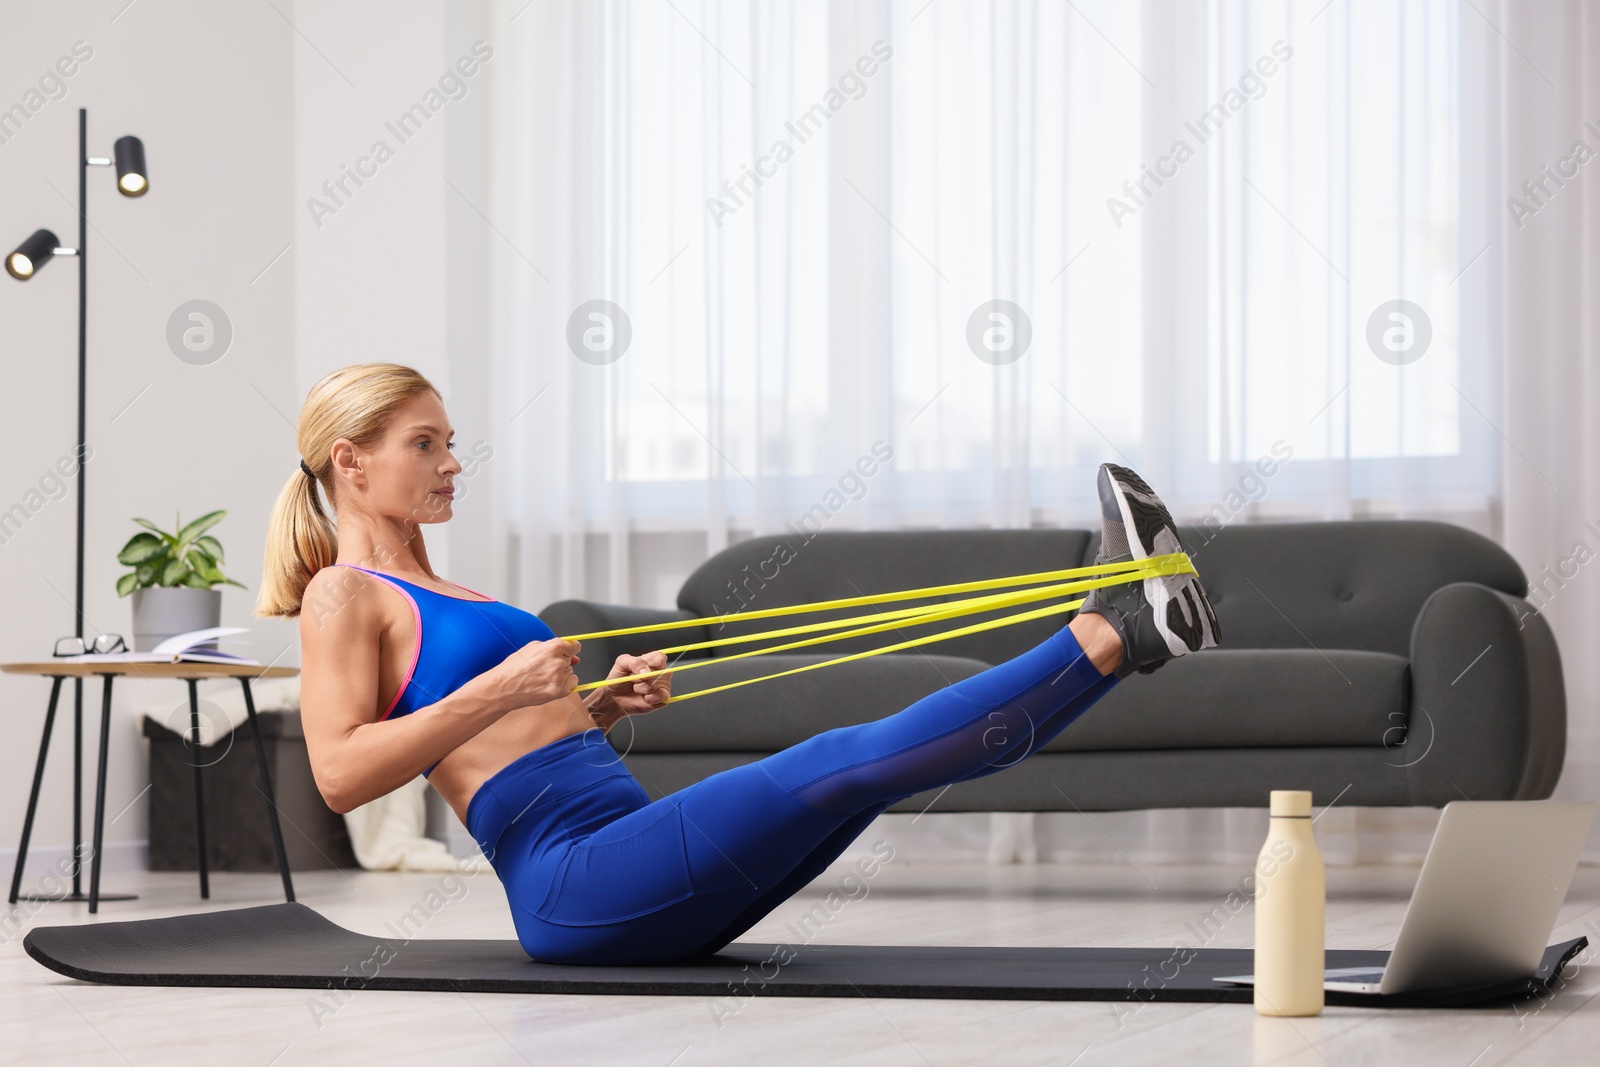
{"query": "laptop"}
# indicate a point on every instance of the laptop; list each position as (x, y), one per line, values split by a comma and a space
(1486, 901)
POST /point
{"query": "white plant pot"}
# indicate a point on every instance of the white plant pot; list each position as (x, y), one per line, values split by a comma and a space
(160, 613)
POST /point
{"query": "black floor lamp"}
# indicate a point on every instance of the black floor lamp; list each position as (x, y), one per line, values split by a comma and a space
(23, 264)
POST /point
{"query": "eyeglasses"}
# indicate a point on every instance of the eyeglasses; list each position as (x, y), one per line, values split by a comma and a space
(101, 644)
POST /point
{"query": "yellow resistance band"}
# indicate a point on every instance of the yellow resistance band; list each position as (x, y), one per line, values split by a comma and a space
(1088, 578)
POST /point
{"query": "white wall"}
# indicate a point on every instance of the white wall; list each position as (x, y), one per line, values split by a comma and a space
(245, 111)
(208, 88)
(370, 277)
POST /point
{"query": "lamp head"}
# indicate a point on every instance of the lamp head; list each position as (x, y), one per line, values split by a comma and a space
(31, 254)
(132, 178)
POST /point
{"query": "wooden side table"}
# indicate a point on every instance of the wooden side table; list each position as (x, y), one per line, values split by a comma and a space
(193, 673)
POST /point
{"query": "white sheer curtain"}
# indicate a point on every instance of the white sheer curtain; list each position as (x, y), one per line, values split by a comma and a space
(1549, 230)
(1197, 215)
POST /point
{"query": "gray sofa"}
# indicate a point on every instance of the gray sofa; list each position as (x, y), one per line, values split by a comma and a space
(1383, 662)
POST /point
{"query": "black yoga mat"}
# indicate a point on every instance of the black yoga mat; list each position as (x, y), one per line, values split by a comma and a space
(291, 945)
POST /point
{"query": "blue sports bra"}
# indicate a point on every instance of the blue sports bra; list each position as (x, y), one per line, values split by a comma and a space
(457, 640)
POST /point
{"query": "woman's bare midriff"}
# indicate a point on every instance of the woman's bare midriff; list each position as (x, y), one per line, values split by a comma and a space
(458, 775)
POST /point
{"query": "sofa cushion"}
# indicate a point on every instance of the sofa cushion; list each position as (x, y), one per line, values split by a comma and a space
(1220, 698)
(780, 570)
(767, 716)
(1251, 698)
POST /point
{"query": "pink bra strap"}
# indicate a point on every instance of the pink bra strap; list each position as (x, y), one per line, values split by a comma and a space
(458, 585)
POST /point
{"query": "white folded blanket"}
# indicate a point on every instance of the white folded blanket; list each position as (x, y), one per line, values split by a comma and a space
(387, 833)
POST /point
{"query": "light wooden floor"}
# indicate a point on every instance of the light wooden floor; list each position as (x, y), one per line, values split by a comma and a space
(45, 1017)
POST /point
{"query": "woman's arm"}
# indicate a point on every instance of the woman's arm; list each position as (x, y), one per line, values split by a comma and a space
(354, 757)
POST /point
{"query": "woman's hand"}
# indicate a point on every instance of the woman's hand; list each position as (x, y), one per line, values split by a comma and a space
(612, 702)
(537, 673)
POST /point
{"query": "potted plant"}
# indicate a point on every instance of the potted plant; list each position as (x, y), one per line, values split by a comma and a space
(172, 580)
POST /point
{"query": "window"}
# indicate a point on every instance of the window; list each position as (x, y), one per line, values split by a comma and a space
(1194, 221)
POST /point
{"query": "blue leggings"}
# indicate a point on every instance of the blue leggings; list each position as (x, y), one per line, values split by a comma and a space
(598, 873)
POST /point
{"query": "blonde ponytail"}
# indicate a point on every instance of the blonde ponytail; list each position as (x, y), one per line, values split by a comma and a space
(354, 403)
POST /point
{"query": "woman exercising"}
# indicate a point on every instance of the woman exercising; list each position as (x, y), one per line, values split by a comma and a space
(404, 673)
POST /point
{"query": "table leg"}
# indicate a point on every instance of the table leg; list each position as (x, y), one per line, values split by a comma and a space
(33, 796)
(199, 796)
(266, 789)
(33, 800)
(100, 797)
(77, 787)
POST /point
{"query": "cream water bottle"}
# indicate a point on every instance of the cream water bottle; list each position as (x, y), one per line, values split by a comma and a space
(1291, 893)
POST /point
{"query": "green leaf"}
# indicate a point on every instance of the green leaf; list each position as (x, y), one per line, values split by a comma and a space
(190, 558)
(199, 526)
(140, 548)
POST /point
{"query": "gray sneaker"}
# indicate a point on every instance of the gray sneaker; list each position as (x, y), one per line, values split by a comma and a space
(1157, 618)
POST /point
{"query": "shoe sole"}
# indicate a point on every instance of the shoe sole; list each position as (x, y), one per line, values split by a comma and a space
(1183, 613)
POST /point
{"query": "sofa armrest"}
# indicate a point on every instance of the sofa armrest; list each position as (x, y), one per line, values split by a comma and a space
(595, 659)
(1487, 699)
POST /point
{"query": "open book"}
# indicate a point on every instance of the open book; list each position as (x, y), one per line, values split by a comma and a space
(180, 648)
